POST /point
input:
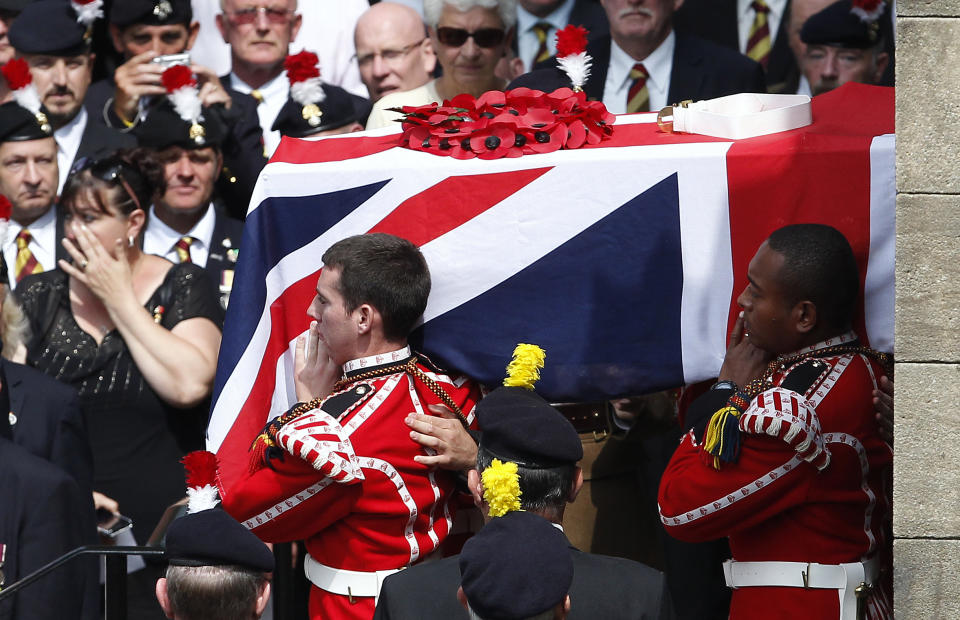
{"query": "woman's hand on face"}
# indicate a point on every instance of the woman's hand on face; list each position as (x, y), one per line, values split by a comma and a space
(105, 272)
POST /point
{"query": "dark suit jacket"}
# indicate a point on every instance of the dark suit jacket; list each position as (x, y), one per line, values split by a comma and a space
(603, 587)
(701, 70)
(242, 151)
(100, 141)
(50, 423)
(224, 246)
(589, 14)
(716, 20)
(38, 523)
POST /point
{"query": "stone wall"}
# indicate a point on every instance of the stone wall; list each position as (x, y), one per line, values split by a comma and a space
(927, 462)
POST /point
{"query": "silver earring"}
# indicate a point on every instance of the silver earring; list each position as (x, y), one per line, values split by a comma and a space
(130, 240)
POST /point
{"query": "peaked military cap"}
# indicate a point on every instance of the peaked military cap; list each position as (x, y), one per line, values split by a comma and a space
(163, 127)
(18, 123)
(520, 426)
(339, 108)
(125, 13)
(839, 26)
(517, 566)
(214, 538)
(49, 27)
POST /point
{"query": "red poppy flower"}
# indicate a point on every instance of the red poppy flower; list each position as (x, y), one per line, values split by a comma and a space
(177, 77)
(868, 5)
(492, 142)
(571, 40)
(17, 73)
(302, 66)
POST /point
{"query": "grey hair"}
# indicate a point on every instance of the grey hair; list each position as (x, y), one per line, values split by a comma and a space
(214, 592)
(506, 9)
(14, 327)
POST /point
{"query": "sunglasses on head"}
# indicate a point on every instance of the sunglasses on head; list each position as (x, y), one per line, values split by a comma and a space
(248, 16)
(484, 37)
(109, 170)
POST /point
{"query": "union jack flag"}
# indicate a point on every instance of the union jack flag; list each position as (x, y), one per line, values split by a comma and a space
(622, 260)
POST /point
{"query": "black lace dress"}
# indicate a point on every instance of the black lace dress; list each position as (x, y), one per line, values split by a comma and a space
(137, 439)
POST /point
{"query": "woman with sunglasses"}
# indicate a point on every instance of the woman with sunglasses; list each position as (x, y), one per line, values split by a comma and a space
(136, 335)
(469, 38)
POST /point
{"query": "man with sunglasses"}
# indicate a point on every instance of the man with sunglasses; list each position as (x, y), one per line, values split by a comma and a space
(645, 64)
(393, 50)
(469, 38)
(57, 48)
(144, 31)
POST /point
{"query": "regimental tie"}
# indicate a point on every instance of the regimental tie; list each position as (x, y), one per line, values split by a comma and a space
(256, 94)
(638, 97)
(758, 43)
(541, 29)
(183, 248)
(27, 263)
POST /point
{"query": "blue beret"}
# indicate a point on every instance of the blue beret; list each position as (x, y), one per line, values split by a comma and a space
(163, 127)
(837, 25)
(49, 27)
(518, 425)
(125, 13)
(338, 108)
(18, 123)
(517, 566)
(214, 538)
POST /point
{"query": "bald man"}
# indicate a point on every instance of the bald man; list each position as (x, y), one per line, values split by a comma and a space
(800, 11)
(393, 49)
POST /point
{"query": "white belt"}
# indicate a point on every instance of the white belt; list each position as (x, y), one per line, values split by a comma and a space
(841, 577)
(350, 583)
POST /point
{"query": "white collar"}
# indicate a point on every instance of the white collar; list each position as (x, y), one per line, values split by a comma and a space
(658, 63)
(850, 336)
(42, 229)
(776, 7)
(274, 88)
(557, 18)
(159, 238)
(377, 360)
(69, 136)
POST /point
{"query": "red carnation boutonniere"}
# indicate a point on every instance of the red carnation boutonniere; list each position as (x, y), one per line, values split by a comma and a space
(572, 55)
(88, 11)
(868, 10)
(306, 88)
(17, 74)
(181, 86)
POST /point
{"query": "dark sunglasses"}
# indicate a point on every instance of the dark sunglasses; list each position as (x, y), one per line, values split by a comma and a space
(109, 170)
(484, 37)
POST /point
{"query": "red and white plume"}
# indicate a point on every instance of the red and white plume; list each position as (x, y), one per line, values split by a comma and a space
(17, 74)
(88, 11)
(201, 470)
(183, 92)
(6, 208)
(303, 71)
(868, 11)
(572, 54)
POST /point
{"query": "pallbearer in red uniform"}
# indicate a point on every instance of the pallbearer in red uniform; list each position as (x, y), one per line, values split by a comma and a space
(340, 470)
(783, 454)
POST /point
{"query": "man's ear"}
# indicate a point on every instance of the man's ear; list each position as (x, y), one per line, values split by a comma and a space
(805, 316)
(883, 58)
(365, 315)
(117, 38)
(462, 597)
(192, 31)
(576, 486)
(162, 597)
(263, 598)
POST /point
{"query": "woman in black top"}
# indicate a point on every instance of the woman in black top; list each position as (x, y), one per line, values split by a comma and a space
(136, 335)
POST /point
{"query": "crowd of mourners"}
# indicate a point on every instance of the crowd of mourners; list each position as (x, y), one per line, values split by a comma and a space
(132, 134)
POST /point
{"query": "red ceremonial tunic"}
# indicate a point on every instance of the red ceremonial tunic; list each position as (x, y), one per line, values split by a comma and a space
(348, 484)
(812, 484)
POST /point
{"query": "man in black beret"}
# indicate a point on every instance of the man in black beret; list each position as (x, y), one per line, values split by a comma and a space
(144, 30)
(187, 223)
(340, 112)
(517, 567)
(845, 43)
(56, 46)
(520, 427)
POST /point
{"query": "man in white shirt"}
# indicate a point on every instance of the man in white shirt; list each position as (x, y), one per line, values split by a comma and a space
(539, 20)
(394, 52)
(28, 178)
(57, 48)
(800, 12)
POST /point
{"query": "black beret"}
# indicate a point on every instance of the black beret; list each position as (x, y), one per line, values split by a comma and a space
(517, 566)
(125, 13)
(338, 108)
(13, 6)
(18, 123)
(49, 27)
(163, 127)
(838, 25)
(214, 538)
(518, 425)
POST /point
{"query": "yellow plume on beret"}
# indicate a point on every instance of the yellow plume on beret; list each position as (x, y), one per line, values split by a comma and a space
(524, 369)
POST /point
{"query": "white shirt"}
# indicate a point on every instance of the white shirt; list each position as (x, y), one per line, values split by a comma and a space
(527, 42)
(160, 239)
(43, 245)
(380, 116)
(327, 30)
(803, 87)
(659, 64)
(68, 140)
(274, 95)
(746, 15)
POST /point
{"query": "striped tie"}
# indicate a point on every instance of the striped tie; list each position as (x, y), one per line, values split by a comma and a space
(541, 29)
(758, 43)
(183, 249)
(27, 263)
(638, 97)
